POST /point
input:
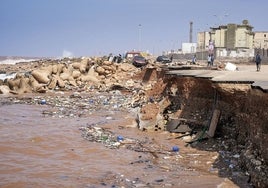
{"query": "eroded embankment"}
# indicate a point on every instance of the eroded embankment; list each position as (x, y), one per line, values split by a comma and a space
(242, 125)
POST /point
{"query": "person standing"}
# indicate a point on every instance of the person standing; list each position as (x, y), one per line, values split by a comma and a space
(171, 58)
(194, 60)
(212, 59)
(258, 61)
(209, 60)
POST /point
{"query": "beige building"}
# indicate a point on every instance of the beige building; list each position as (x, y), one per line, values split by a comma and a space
(233, 36)
(202, 40)
(234, 40)
(261, 40)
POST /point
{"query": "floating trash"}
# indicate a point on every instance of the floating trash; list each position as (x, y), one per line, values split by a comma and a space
(97, 134)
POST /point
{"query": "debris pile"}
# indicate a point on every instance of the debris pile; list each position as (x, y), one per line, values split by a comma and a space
(65, 75)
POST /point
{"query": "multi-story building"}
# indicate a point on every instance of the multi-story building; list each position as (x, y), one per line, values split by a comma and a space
(230, 40)
(203, 39)
(261, 40)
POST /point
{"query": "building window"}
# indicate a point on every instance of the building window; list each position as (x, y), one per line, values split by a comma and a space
(264, 35)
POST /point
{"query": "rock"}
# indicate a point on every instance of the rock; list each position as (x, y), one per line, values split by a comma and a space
(60, 68)
(42, 75)
(52, 84)
(126, 67)
(84, 65)
(36, 86)
(24, 86)
(13, 84)
(4, 89)
(100, 70)
(76, 65)
(172, 124)
(76, 74)
(107, 63)
(65, 76)
(86, 78)
(60, 82)
(54, 69)
(183, 128)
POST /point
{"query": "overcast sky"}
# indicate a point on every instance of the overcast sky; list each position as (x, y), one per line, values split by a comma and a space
(52, 28)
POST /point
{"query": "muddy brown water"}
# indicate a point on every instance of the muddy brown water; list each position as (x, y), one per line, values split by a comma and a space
(39, 151)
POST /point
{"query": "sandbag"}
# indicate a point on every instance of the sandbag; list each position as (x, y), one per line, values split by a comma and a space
(52, 84)
(76, 74)
(24, 86)
(86, 78)
(43, 75)
(4, 89)
(76, 65)
(100, 70)
(36, 86)
(13, 84)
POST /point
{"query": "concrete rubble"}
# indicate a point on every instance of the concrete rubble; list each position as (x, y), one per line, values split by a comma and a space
(77, 87)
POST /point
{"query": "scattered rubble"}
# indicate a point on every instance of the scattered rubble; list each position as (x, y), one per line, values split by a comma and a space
(183, 106)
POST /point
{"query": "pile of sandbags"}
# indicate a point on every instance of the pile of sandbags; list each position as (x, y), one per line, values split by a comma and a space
(60, 75)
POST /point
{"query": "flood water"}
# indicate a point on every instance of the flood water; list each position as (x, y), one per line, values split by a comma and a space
(41, 151)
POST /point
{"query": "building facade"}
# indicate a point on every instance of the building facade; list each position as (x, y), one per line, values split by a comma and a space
(233, 40)
(261, 40)
(188, 48)
(203, 39)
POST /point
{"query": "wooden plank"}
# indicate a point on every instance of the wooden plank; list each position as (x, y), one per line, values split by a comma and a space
(213, 123)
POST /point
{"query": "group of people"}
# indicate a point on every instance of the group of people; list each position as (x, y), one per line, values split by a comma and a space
(116, 59)
(210, 60)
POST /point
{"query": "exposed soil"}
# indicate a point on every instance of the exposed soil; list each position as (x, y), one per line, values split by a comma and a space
(241, 137)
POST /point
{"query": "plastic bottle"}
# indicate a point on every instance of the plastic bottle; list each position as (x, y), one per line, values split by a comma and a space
(120, 138)
(43, 101)
(175, 149)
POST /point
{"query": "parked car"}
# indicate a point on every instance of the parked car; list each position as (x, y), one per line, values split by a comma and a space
(163, 59)
(139, 61)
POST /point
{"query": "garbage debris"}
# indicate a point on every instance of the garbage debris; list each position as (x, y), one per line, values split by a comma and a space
(230, 67)
(175, 148)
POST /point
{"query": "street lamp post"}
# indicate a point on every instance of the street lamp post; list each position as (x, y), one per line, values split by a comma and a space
(139, 37)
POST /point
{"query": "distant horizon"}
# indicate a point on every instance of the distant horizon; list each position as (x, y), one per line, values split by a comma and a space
(78, 28)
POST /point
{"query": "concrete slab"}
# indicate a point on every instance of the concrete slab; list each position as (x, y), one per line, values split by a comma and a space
(244, 74)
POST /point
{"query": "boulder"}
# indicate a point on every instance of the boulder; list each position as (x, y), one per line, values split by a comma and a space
(76, 74)
(125, 67)
(60, 68)
(100, 70)
(60, 82)
(84, 65)
(4, 89)
(43, 75)
(107, 63)
(53, 83)
(24, 86)
(76, 65)
(54, 69)
(86, 78)
(67, 73)
(13, 83)
(65, 76)
(35, 85)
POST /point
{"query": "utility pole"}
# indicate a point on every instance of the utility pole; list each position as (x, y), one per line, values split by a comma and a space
(139, 37)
